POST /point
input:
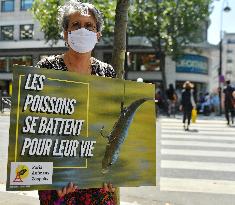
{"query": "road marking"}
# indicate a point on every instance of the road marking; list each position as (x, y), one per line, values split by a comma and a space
(203, 124)
(199, 128)
(226, 133)
(198, 137)
(210, 166)
(171, 121)
(197, 143)
(197, 185)
(198, 153)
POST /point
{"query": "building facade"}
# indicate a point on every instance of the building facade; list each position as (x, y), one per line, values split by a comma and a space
(196, 67)
(22, 42)
(228, 57)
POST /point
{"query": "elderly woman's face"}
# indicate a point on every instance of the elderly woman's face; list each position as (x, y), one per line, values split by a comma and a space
(82, 34)
(77, 21)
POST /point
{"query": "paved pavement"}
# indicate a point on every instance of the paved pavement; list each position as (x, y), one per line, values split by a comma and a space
(194, 168)
(4, 130)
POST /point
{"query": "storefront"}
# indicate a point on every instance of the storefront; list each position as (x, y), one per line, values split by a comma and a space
(6, 63)
(196, 68)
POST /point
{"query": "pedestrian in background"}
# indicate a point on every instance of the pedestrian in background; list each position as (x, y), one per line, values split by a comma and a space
(206, 105)
(171, 100)
(187, 103)
(215, 102)
(228, 102)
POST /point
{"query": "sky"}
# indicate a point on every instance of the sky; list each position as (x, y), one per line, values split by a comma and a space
(228, 20)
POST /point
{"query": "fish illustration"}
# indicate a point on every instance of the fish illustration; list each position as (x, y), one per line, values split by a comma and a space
(119, 133)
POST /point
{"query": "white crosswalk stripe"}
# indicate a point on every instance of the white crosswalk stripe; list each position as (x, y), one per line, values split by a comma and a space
(228, 167)
(198, 185)
(196, 143)
(193, 137)
(184, 152)
(200, 160)
(221, 133)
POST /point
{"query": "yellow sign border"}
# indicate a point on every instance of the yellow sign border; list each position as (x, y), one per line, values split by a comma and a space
(18, 109)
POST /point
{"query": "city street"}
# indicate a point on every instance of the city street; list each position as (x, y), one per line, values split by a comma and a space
(194, 168)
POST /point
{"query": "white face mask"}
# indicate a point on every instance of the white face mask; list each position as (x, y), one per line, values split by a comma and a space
(82, 40)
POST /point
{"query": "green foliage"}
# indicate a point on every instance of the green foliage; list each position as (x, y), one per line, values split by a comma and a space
(46, 13)
(170, 24)
(107, 7)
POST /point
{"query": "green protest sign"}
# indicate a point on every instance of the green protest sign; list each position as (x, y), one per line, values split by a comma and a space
(85, 129)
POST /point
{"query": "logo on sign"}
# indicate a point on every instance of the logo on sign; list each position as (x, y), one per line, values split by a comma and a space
(22, 172)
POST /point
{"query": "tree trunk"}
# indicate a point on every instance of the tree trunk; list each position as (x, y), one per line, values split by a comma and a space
(119, 50)
(164, 83)
(119, 44)
(163, 71)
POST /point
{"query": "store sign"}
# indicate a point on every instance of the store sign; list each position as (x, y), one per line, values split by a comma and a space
(192, 64)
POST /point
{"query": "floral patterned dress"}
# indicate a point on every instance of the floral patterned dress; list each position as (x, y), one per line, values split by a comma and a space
(95, 196)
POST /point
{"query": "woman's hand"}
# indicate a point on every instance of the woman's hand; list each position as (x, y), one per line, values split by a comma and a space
(108, 187)
(68, 189)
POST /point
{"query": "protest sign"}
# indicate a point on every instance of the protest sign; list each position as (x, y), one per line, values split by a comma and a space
(86, 129)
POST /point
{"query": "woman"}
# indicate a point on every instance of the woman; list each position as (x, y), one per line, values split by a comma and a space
(82, 25)
(187, 103)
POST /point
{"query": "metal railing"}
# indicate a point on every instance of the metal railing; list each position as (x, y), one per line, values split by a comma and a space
(5, 102)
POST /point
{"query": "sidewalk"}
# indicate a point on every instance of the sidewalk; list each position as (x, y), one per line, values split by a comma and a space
(128, 197)
(5, 113)
(18, 198)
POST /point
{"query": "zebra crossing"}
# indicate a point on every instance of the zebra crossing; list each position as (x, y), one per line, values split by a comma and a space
(199, 161)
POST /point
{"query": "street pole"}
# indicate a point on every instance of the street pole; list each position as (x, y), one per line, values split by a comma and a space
(220, 76)
(220, 89)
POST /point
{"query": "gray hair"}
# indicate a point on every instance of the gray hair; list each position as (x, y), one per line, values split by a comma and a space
(73, 6)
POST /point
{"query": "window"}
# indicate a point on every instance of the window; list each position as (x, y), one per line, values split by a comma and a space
(3, 64)
(229, 60)
(229, 72)
(7, 5)
(20, 60)
(143, 62)
(229, 51)
(26, 4)
(231, 41)
(26, 32)
(7, 62)
(7, 33)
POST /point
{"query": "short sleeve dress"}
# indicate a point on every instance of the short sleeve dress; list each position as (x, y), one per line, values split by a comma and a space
(94, 196)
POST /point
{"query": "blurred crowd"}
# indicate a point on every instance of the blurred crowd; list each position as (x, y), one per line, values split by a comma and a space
(170, 101)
